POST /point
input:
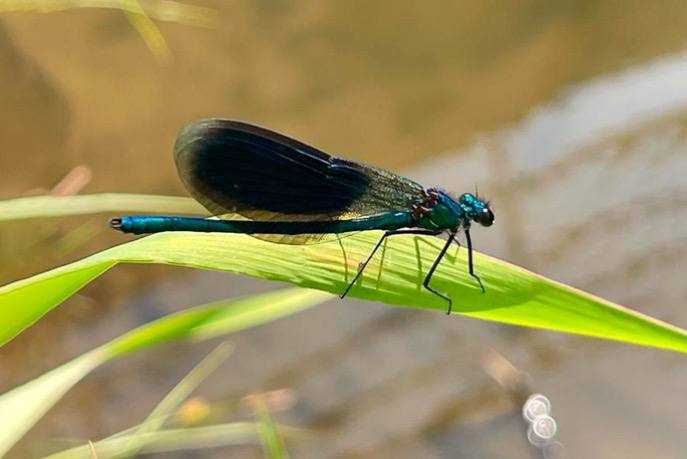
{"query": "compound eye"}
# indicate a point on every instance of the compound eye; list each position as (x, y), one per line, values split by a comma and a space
(485, 217)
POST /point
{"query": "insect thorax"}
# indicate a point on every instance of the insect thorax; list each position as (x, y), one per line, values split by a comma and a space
(437, 211)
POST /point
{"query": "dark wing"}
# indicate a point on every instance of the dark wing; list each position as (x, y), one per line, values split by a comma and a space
(236, 168)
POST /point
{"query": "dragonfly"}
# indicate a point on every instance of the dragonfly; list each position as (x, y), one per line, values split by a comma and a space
(270, 186)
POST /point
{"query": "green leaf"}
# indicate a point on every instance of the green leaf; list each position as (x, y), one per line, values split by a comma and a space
(272, 442)
(169, 11)
(513, 295)
(173, 399)
(31, 401)
(167, 440)
(147, 28)
(62, 206)
(28, 403)
(139, 17)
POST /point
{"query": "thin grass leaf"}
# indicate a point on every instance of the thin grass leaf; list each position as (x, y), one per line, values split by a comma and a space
(145, 26)
(168, 10)
(173, 399)
(513, 295)
(270, 437)
(63, 206)
(167, 440)
(138, 16)
(91, 448)
(29, 402)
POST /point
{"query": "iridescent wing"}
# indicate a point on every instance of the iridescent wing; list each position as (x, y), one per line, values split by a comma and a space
(237, 168)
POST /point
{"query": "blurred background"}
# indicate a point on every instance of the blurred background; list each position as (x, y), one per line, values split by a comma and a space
(570, 116)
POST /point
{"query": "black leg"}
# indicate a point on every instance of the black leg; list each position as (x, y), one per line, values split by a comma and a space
(451, 238)
(387, 234)
(470, 266)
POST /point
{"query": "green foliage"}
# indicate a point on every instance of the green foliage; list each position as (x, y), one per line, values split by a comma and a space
(150, 436)
(513, 295)
(272, 442)
(63, 206)
(166, 440)
(139, 13)
(30, 401)
(156, 419)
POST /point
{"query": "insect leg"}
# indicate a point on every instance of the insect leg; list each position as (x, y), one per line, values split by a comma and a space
(451, 237)
(470, 265)
(387, 234)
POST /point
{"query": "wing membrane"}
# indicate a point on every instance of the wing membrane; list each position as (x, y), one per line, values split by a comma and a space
(236, 168)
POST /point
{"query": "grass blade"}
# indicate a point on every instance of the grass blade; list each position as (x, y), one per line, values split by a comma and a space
(63, 206)
(168, 10)
(514, 295)
(181, 391)
(31, 401)
(145, 26)
(167, 440)
(271, 439)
